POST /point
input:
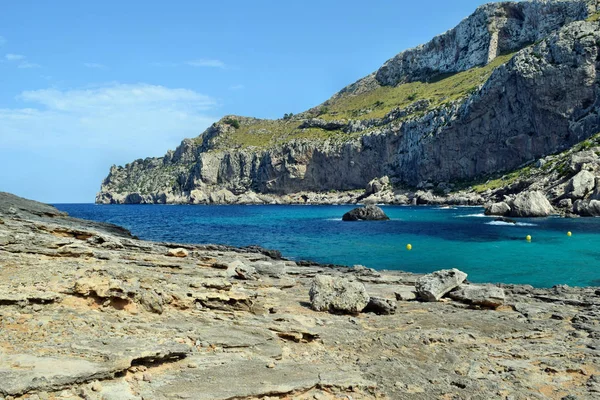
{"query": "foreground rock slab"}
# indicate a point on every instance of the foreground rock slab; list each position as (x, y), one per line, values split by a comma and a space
(120, 319)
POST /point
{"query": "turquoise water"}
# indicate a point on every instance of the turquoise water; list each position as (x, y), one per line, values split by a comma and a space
(441, 238)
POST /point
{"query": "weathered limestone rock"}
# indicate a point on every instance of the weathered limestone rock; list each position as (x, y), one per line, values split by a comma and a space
(68, 323)
(432, 287)
(377, 185)
(581, 184)
(367, 213)
(405, 293)
(381, 306)
(530, 204)
(587, 208)
(494, 29)
(500, 208)
(338, 295)
(481, 295)
(246, 272)
(179, 252)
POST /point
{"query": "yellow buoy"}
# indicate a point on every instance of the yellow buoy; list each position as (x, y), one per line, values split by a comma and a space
(528, 238)
(569, 233)
(409, 246)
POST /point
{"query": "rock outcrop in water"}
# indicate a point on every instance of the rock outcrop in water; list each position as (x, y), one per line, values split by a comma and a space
(543, 100)
(366, 213)
(87, 311)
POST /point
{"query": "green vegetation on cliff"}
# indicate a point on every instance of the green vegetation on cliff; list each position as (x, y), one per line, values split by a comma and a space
(558, 163)
(376, 103)
(439, 90)
(594, 17)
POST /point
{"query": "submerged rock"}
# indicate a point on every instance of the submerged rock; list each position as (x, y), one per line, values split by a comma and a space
(505, 220)
(333, 294)
(432, 287)
(367, 213)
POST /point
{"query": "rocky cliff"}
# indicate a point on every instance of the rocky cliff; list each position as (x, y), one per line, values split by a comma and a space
(510, 84)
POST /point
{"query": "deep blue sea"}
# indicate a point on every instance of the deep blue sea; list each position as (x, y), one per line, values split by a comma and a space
(460, 237)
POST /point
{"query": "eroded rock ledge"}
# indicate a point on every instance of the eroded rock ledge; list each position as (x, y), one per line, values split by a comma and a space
(87, 311)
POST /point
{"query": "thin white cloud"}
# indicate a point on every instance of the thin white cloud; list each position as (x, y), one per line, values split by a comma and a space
(94, 65)
(27, 64)
(14, 57)
(20, 60)
(236, 87)
(203, 62)
(138, 120)
(2, 41)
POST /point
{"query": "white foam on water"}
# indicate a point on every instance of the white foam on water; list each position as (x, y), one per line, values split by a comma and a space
(473, 216)
(502, 223)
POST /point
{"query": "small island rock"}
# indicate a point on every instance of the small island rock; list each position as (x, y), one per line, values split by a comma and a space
(367, 213)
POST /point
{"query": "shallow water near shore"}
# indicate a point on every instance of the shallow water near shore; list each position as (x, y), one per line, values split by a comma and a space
(457, 237)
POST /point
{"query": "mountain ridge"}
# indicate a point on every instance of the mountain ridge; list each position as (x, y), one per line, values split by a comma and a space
(415, 132)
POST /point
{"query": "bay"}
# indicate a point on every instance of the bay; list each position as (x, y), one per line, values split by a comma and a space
(456, 237)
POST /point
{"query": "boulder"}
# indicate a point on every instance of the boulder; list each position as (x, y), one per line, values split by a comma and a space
(381, 306)
(596, 194)
(179, 252)
(405, 293)
(367, 213)
(566, 204)
(334, 294)
(581, 184)
(500, 208)
(432, 287)
(587, 209)
(530, 204)
(481, 295)
(377, 185)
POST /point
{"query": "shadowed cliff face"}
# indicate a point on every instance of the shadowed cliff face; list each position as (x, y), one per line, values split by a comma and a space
(544, 100)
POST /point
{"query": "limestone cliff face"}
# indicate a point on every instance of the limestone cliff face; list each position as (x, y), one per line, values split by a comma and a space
(494, 29)
(544, 100)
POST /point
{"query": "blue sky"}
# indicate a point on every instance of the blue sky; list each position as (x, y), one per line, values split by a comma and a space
(84, 85)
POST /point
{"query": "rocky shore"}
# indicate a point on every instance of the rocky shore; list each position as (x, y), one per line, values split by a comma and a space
(88, 311)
